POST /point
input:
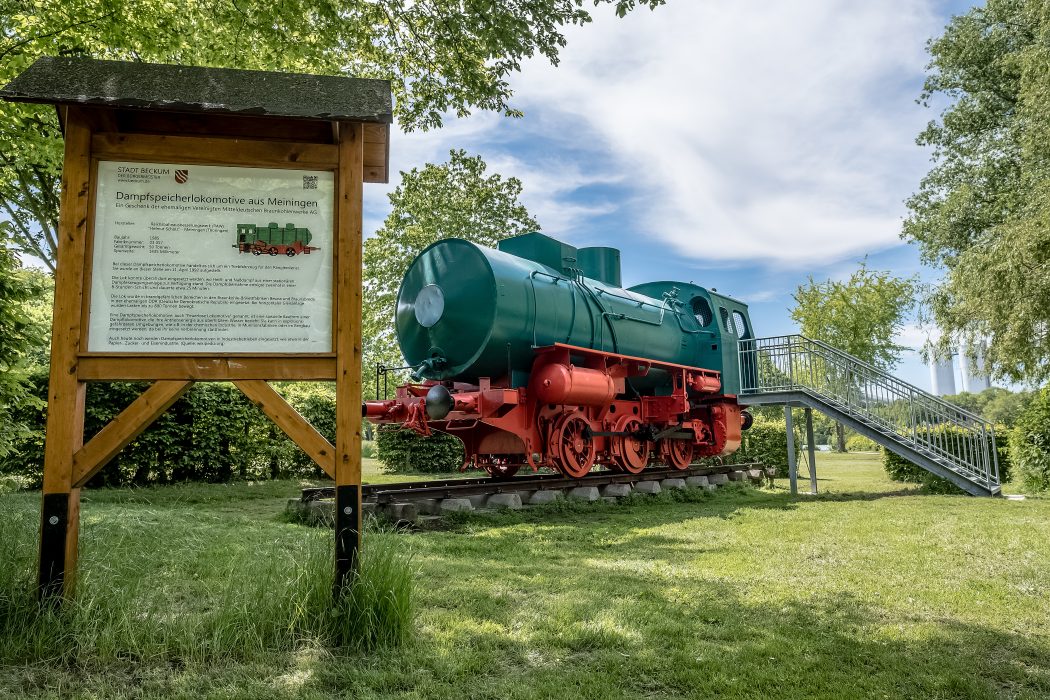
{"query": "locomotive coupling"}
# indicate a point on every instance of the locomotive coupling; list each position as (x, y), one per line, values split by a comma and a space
(439, 402)
(377, 409)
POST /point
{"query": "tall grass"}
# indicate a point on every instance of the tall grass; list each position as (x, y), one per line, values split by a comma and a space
(150, 593)
(378, 607)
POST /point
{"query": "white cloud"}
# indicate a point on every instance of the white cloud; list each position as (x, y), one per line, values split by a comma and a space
(762, 296)
(550, 183)
(774, 132)
(548, 190)
(914, 336)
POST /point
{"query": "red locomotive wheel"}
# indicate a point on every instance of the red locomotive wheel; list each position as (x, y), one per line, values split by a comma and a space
(572, 445)
(630, 454)
(290, 252)
(273, 251)
(677, 453)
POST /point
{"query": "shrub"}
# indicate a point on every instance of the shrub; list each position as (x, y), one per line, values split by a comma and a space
(211, 434)
(765, 442)
(405, 451)
(859, 443)
(900, 469)
(1030, 443)
(315, 401)
(22, 463)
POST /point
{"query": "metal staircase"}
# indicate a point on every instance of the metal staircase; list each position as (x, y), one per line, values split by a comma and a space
(918, 426)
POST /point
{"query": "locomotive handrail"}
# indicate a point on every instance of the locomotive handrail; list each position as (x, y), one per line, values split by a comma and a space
(536, 301)
(666, 305)
(889, 406)
(588, 292)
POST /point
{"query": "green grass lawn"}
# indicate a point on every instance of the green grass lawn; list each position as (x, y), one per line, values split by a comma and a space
(871, 589)
(372, 473)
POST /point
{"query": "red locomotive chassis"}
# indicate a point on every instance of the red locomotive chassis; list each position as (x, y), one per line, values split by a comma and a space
(573, 416)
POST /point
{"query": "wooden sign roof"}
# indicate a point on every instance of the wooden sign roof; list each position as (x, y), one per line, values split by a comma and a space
(229, 95)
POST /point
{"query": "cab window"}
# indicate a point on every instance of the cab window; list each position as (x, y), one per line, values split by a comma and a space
(740, 325)
(701, 310)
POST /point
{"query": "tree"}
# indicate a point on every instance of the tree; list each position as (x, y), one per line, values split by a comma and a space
(21, 334)
(453, 200)
(442, 56)
(1003, 406)
(982, 213)
(997, 405)
(1030, 443)
(860, 316)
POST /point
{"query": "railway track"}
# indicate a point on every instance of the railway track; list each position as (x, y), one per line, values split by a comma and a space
(406, 500)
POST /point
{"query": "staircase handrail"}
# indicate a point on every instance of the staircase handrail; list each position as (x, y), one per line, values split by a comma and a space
(853, 359)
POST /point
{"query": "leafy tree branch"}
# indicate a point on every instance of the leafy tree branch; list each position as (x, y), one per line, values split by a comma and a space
(442, 57)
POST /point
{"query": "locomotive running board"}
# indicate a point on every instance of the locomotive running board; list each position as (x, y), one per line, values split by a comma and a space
(641, 362)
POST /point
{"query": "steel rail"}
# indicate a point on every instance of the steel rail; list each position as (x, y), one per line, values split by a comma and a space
(451, 488)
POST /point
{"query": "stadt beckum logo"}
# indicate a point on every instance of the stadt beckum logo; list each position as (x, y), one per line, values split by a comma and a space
(181, 176)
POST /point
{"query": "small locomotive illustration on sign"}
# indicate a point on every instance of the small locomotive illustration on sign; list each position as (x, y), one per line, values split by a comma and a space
(273, 240)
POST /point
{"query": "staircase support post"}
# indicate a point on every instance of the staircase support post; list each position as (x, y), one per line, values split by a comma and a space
(812, 452)
(792, 462)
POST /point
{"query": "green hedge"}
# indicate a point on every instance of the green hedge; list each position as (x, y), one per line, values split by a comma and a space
(1030, 443)
(404, 451)
(766, 442)
(859, 443)
(316, 403)
(24, 459)
(900, 469)
(212, 434)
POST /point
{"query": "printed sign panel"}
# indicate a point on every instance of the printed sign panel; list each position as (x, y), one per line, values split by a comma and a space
(203, 258)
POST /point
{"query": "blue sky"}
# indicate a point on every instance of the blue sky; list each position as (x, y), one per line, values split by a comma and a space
(743, 145)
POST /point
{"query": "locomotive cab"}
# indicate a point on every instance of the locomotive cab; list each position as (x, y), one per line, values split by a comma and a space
(721, 324)
(736, 332)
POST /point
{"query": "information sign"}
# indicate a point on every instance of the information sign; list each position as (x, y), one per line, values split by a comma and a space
(201, 258)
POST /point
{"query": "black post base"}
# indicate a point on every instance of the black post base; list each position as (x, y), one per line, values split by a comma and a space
(347, 535)
(54, 526)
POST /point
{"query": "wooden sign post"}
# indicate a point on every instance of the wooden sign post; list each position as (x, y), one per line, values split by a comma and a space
(210, 230)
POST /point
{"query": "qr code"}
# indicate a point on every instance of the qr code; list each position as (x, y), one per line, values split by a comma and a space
(309, 182)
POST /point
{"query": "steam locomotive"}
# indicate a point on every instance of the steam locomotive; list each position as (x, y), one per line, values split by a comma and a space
(290, 240)
(533, 355)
